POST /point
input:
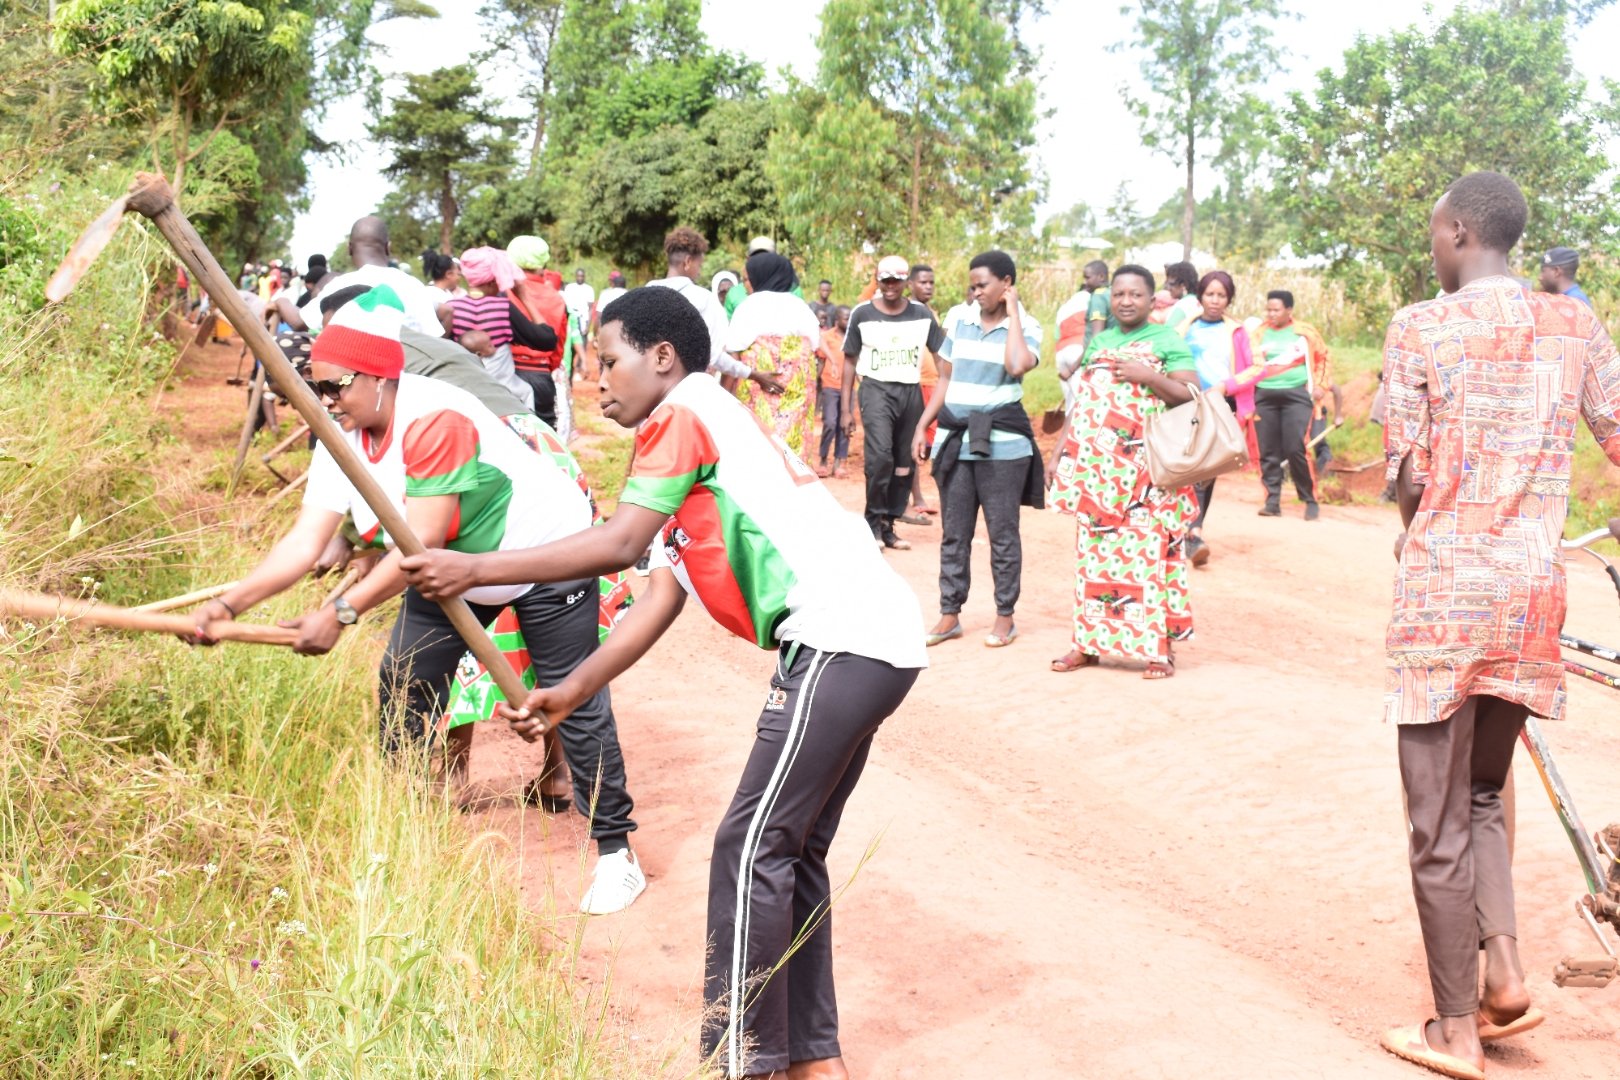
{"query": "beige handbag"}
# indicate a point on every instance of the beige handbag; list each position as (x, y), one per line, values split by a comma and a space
(1194, 442)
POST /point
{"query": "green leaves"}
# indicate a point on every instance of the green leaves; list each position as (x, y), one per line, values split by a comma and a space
(918, 126)
(1200, 59)
(1369, 151)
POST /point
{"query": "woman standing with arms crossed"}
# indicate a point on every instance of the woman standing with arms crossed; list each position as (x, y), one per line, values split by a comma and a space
(1130, 594)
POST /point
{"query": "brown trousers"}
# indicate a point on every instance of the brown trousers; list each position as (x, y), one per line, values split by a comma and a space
(1462, 873)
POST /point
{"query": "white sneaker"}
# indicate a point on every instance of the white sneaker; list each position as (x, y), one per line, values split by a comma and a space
(615, 884)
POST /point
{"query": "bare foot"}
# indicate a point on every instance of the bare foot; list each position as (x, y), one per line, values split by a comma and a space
(1457, 1036)
(1505, 998)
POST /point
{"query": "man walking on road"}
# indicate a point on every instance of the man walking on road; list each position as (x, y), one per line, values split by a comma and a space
(1479, 434)
(889, 335)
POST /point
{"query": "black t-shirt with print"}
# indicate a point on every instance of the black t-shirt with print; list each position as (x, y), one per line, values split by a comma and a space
(890, 347)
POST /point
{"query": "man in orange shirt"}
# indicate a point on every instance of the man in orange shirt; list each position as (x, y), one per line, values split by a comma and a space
(830, 377)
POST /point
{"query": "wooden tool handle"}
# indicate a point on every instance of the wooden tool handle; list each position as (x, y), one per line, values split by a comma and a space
(196, 596)
(42, 607)
(151, 196)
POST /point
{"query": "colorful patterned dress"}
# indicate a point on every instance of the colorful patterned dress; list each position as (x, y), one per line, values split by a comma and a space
(778, 333)
(1485, 390)
(787, 415)
(1131, 573)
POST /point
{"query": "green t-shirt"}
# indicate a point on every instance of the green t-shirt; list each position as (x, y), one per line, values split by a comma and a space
(737, 294)
(1098, 307)
(1169, 346)
(1277, 344)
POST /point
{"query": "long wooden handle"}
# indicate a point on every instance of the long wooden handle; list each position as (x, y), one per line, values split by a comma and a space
(151, 196)
(43, 607)
(196, 596)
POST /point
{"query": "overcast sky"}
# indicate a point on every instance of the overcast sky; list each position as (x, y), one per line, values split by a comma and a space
(1087, 148)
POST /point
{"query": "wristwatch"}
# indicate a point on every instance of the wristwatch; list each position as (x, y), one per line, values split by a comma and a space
(345, 612)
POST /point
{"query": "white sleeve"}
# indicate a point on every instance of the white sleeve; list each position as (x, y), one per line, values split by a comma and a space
(327, 488)
(311, 314)
(719, 330)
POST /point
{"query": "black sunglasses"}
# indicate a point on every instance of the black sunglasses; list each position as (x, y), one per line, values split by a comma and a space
(331, 388)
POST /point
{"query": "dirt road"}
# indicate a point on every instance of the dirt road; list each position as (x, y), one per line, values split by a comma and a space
(1089, 875)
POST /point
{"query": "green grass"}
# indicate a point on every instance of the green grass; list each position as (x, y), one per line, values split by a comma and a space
(208, 868)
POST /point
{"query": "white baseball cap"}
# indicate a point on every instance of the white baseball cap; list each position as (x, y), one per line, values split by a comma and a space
(893, 268)
(761, 243)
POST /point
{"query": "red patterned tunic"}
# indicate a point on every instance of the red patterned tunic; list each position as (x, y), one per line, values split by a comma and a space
(1485, 387)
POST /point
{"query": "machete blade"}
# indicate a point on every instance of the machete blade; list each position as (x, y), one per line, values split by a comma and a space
(84, 252)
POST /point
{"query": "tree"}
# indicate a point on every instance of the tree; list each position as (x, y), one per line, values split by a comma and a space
(445, 139)
(952, 83)
(185, 72)
(706, 176)
(1366, 155)
(1129, 226)
(528, 31)
(1199, 58)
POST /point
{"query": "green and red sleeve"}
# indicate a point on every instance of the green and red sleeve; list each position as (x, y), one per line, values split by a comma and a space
(674, 453)
(441, 455)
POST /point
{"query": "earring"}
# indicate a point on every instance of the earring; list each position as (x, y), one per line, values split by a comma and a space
(379, 394)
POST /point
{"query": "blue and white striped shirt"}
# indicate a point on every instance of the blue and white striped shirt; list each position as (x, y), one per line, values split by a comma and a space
(979, 379)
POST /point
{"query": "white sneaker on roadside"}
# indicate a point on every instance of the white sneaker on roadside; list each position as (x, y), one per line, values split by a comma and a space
(615, 884)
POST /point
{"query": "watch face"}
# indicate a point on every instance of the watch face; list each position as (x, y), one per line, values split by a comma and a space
(345, 612)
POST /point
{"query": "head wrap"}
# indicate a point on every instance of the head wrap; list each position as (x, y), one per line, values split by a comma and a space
(529, 252)
(770, 272)
(724, 275)
(363, 335)
(482, 265)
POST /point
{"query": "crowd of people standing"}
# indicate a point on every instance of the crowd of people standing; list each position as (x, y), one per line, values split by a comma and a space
(455, 388)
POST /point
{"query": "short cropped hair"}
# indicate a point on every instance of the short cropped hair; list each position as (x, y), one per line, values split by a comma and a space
(1095, 266)
(652, 314)
(1284, 295)
(685, 240)
(1181, 273)
(823, 281)
(999, 263)
(331, 301)
(920, 268)
(1133, 270)
(1492, 206)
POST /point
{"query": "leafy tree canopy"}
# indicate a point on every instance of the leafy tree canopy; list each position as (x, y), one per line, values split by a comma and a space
(446, 139)
(1368, 152)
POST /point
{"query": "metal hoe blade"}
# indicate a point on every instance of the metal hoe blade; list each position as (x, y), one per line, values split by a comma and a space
(84, 251)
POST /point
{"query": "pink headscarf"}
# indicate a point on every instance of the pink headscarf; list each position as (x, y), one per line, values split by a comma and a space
(482, 265)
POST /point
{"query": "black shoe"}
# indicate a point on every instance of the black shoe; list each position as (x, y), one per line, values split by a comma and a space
(1271, 509)
(1312, 511)
(1197, 551)
(894, 542)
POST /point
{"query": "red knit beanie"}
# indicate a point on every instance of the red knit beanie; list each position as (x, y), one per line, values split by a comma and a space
(363, 335)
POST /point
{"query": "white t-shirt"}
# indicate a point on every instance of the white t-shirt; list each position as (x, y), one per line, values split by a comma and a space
(578, 296)
(444, 442)
(766, 313)
(421, 313)
(609, 294)
(714, 317)
(758, 541)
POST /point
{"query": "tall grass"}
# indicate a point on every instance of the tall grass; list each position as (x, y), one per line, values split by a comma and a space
(208, 868)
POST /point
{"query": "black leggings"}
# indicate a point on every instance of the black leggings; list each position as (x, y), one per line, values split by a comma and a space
(559, 624)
